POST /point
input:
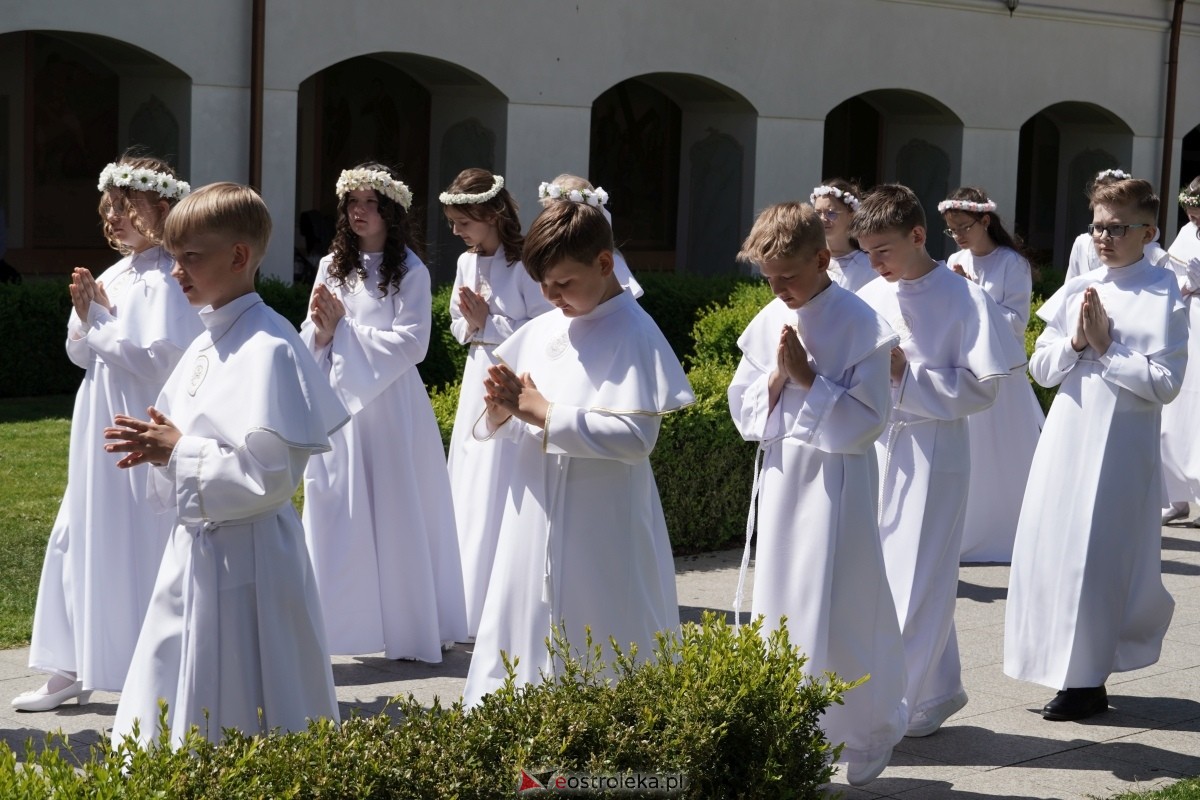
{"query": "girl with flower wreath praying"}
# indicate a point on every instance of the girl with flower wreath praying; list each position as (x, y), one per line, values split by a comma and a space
(580, 190)
(1083, 256)
(1180, 445)
(378, 515)
(493, 296)
(836, 201)
(1004, 436)
(127, 330)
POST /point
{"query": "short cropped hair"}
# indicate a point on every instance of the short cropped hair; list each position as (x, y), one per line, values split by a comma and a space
(1133, 192)
(783, 230)
(887, 207)
(565, 230)
(225, 208)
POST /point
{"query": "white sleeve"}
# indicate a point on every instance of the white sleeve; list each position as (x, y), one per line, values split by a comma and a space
(1151, 376)
(460, 326)
(945, 393)
(363, 360)
(216, 482)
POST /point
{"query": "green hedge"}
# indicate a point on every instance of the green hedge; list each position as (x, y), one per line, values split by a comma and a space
(33, 327)
(732, 713)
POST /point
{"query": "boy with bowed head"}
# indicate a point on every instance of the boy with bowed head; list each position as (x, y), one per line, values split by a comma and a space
(234, 636)
(1085, 594)
(583, 542)
(812, 387)
(955, 347)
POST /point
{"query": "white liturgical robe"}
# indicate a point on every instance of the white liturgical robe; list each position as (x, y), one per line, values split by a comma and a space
(1181, 417)
(234, 626)
(959, 348)
(1085, 593)
(107, 541)
(478, 469)
(378, 517)
(819, 561)
(1004, 436)
(583, 541)
(852, 271)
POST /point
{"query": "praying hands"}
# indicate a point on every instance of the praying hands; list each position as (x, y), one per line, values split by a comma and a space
(146, 442)
(1093, 325)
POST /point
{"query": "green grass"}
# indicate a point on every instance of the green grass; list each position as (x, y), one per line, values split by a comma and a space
(34, 435)
(1188, 789)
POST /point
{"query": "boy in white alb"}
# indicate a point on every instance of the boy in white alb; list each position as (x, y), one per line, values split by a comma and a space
(1085, 594)
(813, 388)
(955, 348)
(583, 542)
(1083, 258)
(234, 629)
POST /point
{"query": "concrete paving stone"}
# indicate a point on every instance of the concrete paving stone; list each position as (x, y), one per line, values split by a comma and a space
(991, 678)
(1169, 749)
(970, 615)
(1164, 699)
(981, 646)
(1093, 770)
(1112, 724)
(1009, 785)
(981, 702)
(966, 743)
(907, 771)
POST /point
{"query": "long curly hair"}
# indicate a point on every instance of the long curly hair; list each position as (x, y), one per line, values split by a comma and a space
(995, 229)
(501, 209)
(400, 239)
(124, 204)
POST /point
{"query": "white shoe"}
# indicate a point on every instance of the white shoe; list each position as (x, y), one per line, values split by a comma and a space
(1174, 512)
(45, 700)
(926, 723)
(860, 773)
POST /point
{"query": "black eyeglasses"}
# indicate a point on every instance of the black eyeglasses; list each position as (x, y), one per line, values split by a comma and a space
(954, 232)
(1114, 231)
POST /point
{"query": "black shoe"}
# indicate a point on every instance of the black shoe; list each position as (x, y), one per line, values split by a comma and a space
(1070, 704)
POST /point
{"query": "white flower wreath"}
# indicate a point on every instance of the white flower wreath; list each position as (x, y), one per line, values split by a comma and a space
(966, 205)
(123, 176)
(386, 185)
(593, 197)
(1119, 174)
(1189, 200)
(847, 198)
(464, 198)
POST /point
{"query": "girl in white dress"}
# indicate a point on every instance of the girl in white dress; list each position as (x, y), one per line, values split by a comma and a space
(835, 201)
(580, 190)
(493, 296)
(378, 516)
(1180, 448)
(1004, 436)
(128, 329)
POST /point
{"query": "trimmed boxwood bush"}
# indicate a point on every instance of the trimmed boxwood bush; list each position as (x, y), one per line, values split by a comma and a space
(731, 711)
(33, 327)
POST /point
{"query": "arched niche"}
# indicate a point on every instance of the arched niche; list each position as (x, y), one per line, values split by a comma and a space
(676, 154)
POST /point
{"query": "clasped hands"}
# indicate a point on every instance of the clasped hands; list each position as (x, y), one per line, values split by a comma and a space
(1093, 325)
(146, 441)
(86, 290)
(473, 307)
(326, 311)
(508, 395)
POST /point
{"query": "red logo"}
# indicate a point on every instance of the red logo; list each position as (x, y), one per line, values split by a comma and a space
(527, 783)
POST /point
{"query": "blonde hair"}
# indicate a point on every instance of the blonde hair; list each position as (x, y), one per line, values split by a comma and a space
(125, 206)
(228, 209)
(568, 182)
(783, 230)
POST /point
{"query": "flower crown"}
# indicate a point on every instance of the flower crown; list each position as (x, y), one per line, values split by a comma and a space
(386, 185)
(1188, 199)
(464, 198)
(1118, 174)
(837, 194)
(985, 207)
(592, 197)
(123, 176)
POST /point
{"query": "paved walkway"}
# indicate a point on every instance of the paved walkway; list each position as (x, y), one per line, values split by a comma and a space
(997, 747)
